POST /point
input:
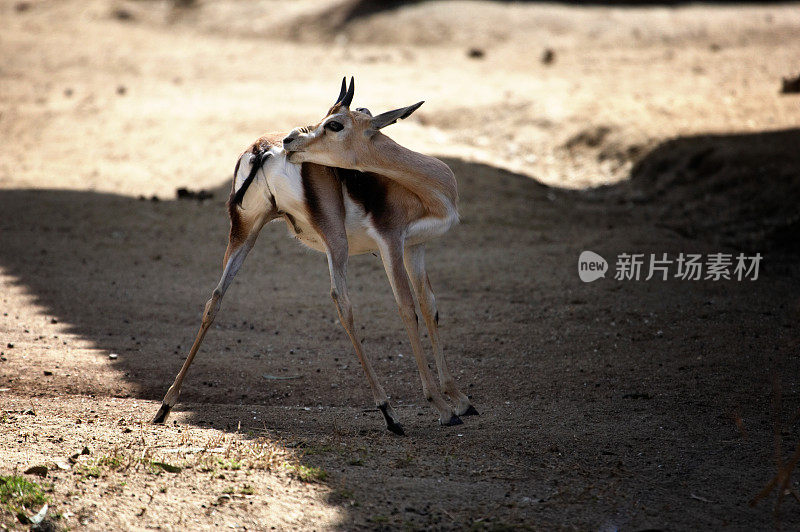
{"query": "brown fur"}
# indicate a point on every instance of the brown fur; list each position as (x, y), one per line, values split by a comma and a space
(323, 194)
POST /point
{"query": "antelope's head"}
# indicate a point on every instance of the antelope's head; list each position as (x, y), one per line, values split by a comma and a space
(344, 137)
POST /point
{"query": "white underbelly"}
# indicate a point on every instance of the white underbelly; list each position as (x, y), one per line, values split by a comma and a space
(360, 235)
(360, 230)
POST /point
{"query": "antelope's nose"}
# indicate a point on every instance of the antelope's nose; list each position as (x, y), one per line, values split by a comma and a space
(291, 137)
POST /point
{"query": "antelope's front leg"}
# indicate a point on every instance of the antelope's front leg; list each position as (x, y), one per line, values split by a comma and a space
(392, 256)
(337, 263)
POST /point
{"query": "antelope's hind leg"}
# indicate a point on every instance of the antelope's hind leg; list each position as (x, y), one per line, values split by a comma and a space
(414, 259)
(392, 256)
(233, 263)
(246, 224)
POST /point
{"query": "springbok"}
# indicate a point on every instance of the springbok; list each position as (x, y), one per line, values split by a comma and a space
(343, 212)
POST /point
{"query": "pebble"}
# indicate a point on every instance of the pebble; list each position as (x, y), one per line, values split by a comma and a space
(113, 356)
(38, 470)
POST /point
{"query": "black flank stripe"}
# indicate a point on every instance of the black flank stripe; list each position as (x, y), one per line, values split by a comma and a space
(257, 162)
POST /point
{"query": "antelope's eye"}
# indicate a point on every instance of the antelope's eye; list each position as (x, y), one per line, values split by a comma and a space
(333, 125)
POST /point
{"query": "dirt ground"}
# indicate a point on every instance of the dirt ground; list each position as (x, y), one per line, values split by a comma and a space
(614, 405)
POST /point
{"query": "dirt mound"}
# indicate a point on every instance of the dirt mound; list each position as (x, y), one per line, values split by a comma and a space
(741, 190)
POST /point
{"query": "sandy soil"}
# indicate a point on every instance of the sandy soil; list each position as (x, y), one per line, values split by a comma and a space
(612, 405)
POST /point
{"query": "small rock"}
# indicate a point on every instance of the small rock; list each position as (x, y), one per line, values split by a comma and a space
(47, 373)
(22, 6)
(10, 345)
(74, 457)
(53, 320)
(476, 53)
(121, 90)
(200, 195)
(113, 356)
(29, 412)
(791, 85)
(38, 470)
(122, 14)
(68, 92)
(548, 56)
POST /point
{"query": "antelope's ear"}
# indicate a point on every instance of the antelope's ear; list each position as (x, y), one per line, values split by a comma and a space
(390, 117)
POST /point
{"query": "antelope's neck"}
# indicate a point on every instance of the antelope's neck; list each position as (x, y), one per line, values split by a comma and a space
(412, 168)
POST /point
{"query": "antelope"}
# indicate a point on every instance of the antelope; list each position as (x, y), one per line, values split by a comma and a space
(392, 208)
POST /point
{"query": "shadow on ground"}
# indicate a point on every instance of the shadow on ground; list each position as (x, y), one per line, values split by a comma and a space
(611, 403)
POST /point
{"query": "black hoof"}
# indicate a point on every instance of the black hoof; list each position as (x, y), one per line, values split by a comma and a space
(455, 420)
(396, 428)
(391, 424)
(471, 411)
(163, 413)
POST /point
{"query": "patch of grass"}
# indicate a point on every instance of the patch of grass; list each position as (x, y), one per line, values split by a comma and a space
(495, 526)
(163, 466)
(379, 519)
(89, 471)
(405, 461)
(247, 490)
(20, 496)
(110, 461)
(231, 464)
(307, 473)
(98, 467)
(214, 463)
(344, 496)
(118, 460)
(318, 449)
